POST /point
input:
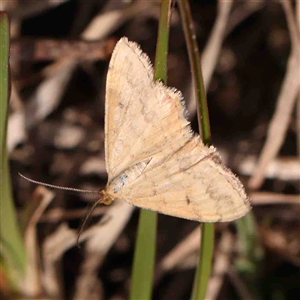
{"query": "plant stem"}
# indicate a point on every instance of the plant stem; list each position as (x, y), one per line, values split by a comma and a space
(207, 238)
(12, 246)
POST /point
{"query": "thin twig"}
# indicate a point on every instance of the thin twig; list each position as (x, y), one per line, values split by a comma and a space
(32, 49)
(59, 214)
(214, 44)
(281, 168)
(212, 49)
(263, 198)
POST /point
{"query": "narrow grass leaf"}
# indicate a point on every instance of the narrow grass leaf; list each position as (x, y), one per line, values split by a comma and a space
(207, 238)
(12, 247)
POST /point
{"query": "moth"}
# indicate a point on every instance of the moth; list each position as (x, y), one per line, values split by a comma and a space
(153, 158)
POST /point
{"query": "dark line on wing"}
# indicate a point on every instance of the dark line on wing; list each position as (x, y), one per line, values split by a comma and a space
(174, 183)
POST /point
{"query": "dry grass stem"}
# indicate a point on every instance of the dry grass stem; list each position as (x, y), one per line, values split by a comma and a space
(32, 285)
(263, 198)
(282, 168)
(30, 49)
(59, 214)
(105, 23)
(212, 50)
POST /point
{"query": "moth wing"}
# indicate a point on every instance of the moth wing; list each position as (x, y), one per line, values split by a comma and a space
(142, 117)
(192, 183)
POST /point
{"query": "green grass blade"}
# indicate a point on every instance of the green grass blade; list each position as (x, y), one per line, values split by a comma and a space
(205, 260)
(12, 247)
(195, 62)
(207, 238)
(160, 68)
(144, 255)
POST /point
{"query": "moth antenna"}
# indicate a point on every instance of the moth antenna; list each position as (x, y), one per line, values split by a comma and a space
(73, 190)
(59, 187)
(85, 220)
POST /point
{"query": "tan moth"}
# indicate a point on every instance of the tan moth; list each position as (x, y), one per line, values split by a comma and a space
(153, 159)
